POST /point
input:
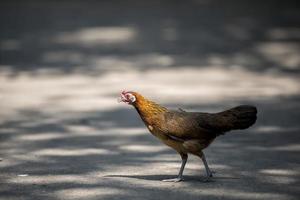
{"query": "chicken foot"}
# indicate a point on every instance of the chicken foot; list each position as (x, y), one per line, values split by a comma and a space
(184, 158)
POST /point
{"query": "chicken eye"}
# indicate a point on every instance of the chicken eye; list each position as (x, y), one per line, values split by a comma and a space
(132, 98)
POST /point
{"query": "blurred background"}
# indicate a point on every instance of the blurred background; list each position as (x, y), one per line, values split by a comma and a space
(63, 64)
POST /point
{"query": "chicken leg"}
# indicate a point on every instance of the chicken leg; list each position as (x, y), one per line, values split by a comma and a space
(184, 158)
(208, 172)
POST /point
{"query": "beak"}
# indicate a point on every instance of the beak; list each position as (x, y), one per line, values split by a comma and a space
(122, 98)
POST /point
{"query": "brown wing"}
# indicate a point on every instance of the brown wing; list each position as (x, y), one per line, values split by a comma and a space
(187, 125)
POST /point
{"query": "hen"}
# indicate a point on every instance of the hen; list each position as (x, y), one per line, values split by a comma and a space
(188, 132)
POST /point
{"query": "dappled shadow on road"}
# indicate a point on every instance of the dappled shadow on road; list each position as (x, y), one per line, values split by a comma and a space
(62, 63)
(94, 37)
(99, 154)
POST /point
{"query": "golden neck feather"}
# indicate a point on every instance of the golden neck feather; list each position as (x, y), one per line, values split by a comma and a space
(148, 109)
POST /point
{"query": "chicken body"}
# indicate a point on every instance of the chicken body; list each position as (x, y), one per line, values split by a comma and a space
(189, 132)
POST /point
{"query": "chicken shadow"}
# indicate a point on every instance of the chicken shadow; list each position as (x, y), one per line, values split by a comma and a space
(187, 178)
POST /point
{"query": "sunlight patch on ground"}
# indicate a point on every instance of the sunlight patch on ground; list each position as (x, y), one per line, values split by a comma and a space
(279, 180)
(54, 179)
(144, 148)
(274, 129)
(283, 172)
(285, 54)
(39, 137)
(73, 152)
(88, 131)
(280, 176)
(18, 157)
(268, 129)
(288, 148)
(88, 193)
(77, 92)
(284, 34)
(92, 36)
(10, 162)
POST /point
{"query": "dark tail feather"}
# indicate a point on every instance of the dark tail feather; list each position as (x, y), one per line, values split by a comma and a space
(242, 117)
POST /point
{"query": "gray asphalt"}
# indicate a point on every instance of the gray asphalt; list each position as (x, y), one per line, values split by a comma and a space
(63, 63)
